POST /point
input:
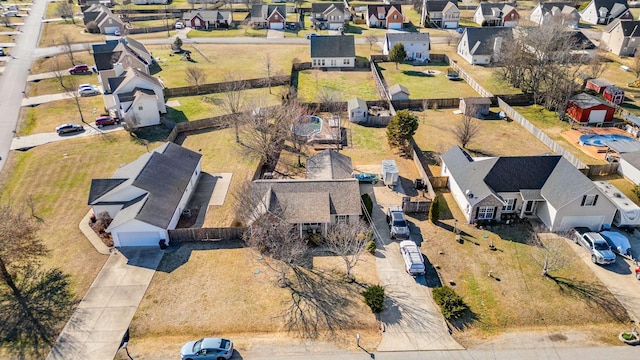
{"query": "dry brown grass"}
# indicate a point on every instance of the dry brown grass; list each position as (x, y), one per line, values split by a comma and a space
(516, 296)
(45, 117)
(51, 63)
(52, 34)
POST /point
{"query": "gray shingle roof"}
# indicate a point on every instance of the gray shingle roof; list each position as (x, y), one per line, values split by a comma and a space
(585, 101)
(601, 82)
(398, 88)
(632, 158)
(487, 8)
(100, 187)
(480, 40)
(381, 10)
(260, 12)
(565, 184)
(439, 5)
(210, 16)
(393, 38)
(355, 103)
(477, 100)
(321, 7)
(469, 174)
(630, 28)
(512, 173)
(329, 164)
(324, 46)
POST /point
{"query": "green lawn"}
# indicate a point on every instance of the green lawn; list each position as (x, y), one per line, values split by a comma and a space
(45, 117)
(423, 86)
(204, 106)
(345, 84)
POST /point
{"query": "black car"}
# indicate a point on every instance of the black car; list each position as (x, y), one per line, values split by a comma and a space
(69, 128)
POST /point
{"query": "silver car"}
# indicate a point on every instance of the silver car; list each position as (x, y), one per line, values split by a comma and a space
(207, 349)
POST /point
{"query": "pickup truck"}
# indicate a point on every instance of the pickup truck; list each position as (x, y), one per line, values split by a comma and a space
(398, 225)
(596, 245)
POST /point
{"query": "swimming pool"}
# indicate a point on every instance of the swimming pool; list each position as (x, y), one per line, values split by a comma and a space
(308, 126)
(600, 140)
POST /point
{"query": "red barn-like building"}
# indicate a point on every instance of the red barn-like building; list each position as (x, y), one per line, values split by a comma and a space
(598, 85)
(585, 108)
(614, 94)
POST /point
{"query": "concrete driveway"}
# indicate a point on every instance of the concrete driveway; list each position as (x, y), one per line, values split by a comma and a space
(29, 141)
(96, 328)
(412, 321)
(275, 34)
(619, 277)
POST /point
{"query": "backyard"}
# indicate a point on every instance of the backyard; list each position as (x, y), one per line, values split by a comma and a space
(425, 82)
(342, 85)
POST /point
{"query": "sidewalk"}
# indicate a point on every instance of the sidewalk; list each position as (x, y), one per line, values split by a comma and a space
(91, 235)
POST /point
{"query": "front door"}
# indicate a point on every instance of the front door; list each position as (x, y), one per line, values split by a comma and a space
(530, 207)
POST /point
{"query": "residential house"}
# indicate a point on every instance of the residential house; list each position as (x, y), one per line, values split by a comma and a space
(440, 14)
(565, 13)
(136, 96)
(545, 187)
(126, 51)
(496, 14)
(268, 16)
(358, 110)
(585, 108)
(388, 16)
(150, 2)
(582, 45)
(598, 85)
(398, 92)
(311, 205)
(329, 165)
(605, 11)
(333, 51)
(630, 166)
(416, 45)
(146, 197)
(207, 19)
(477, 107)
(330, 16)
(107, 22)
(482, 45)
(621, 37)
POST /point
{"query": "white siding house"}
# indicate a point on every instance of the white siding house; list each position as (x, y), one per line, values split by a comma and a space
(416, 45)
(333, 51)
(630, 166)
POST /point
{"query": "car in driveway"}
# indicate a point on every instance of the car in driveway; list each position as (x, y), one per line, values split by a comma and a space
(106, 120)
(88, 90)
(79, 69)
(179, 25)
(398, 226)
(69, 128)
(207, 349)
(413, 263)
(596, 245)
(618, 242)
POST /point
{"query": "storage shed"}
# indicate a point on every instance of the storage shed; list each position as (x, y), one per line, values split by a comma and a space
(630, 166)
(614, 94)
(598, 85)
(477, 107)
(398, 92)
(585, 108)
(358, 110)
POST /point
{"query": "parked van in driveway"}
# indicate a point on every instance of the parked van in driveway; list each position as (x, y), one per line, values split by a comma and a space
(412, 258)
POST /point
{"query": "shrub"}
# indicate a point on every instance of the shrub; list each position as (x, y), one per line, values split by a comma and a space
(367, 205)
(434, 210)
(92, 27)
(374, 298)
(371, 247)
(451, 304)
(315, 239)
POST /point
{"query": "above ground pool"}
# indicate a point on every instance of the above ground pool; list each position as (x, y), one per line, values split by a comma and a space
(600, 140)
(308, 126)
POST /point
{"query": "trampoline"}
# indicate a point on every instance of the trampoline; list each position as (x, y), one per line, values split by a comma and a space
(308, 126)
(603, 139)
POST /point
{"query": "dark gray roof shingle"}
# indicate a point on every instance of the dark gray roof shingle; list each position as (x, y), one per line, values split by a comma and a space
(324, 46)
(480, 40)
(439, 5)
(329, 164)
(585, 101)
(100, 187)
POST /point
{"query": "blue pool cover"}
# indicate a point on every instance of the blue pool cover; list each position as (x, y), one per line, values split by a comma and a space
(601, 140)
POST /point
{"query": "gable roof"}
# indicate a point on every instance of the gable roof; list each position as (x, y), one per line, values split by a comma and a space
(355, 103)
(210, 16)
(333, 46)
(129, 75)
(407, 37)
(585, 101)
(260, 12)
(480, 40)
(629, 28)
(439, 5)
(133, 94)
(398, 88)
(581, 41)
(321, 7)
(600, 82)
(487, 9)
(632, 158)
(329, 164)
(381, 10)
(162, 174)
(610, 5)
(510, 174)
(127, 51)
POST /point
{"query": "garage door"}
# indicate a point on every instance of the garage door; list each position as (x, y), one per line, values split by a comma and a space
(143, 238)
(394, 25)
(592, 222)
(450, 25)
(597, 116)
(110, 30)
(277, 25)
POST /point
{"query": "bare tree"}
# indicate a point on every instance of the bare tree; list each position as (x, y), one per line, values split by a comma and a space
(195, 76)
(70, 85)
(67, 41)
(292, 116)
(267, 67)
(233, 100)
(348, 241)
(330, 100)
(635, 65)
(467, 129)
(371, 39)
(596, 65)
(552, 255)
(64, 9)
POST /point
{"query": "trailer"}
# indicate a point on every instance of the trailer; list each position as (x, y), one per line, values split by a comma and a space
(389, 173)
(627, 212)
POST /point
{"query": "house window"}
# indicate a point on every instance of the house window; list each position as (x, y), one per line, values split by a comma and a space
(395, 17)
(589, 200)
(322, 62)
(511, 204)
(485, 212)
(346, 62)
(418, 55)
(140, 107)
(342, 219)
(333, 62)
(315, 62)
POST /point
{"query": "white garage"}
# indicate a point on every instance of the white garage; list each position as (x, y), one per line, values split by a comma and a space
(143, 238)
(395, 25)
(592, 222)
(450, 24)
(597, 116)
(276, 25)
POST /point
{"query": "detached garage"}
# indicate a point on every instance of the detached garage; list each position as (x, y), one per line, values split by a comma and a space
(630, 166)
(146, 197)
(585, 108)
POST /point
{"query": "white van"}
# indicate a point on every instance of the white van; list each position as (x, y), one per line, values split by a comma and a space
(11, 13)
(412, 258)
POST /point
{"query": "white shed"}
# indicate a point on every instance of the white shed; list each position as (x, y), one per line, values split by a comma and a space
(358, 110)
(630, 166)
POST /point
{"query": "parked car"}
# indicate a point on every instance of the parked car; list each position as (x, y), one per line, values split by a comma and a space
(106, 120)
(596, 245)
(79, 69)
(618, 242)
(69, 128)
(207, 349)
(11, 13)
(410, 251)
(179, 25)
(398, 225)
(88, 90)
(117, 32)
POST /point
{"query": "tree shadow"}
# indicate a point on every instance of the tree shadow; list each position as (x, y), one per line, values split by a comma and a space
(175, 115)
(595, 294)
(319, 302)
(31, 317)
(468, 319)
(152, 133)
(416, 73)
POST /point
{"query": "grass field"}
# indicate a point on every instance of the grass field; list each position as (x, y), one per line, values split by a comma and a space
(45, 117)
(57, 177)
(63, 63)
(204, 106)
(52, 86)
(345, 84)
(423, 86)
(53, 32)
(225, 59)
(51, 11)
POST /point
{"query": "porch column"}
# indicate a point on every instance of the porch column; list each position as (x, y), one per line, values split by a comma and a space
(300, 228)
(524, 206)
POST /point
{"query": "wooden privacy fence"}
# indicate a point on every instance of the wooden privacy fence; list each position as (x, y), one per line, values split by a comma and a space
(223, 86)
(381, 85)
(544, 138)
(603, 169)
(206, 234)
(420, 162)
(439, 182)
(479, 89)
(415, 205)
(428, 103)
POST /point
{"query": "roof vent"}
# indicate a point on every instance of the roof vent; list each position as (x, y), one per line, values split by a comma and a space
(618, 195)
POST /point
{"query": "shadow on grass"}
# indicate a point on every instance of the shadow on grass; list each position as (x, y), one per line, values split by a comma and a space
(465, 321)
(595, 294)
(151, 134)
(178, 254)
(416, 73)
(319, 302)
(175, 115)
(351, 29)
